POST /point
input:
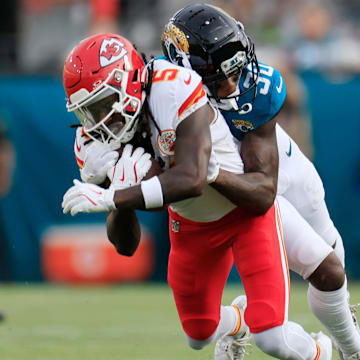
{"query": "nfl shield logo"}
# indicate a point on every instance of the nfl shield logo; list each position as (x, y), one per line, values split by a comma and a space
(175, 226)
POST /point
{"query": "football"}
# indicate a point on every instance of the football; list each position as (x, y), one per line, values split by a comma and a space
(154, 170)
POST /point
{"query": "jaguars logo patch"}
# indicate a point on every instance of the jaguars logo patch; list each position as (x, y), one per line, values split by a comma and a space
(165, 141)
(243, 125)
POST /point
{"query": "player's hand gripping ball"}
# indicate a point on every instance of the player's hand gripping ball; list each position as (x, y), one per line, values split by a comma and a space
(100, 164)
(132, 167)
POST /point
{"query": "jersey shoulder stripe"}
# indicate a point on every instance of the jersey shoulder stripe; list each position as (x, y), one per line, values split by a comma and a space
(79, 162)
(195, 96)
(79, 146)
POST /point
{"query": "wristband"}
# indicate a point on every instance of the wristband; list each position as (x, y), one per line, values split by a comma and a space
(152, 193)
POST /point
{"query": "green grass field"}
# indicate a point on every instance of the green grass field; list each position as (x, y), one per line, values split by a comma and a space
(127, 322)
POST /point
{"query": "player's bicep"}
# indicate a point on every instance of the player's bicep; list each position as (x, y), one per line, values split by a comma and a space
(193, 140)
(259, 150)
(192, 148)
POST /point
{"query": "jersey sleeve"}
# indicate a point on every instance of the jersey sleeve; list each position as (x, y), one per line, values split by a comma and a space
(79, 146)
(190, 95)
(176, 93)
(278, 94)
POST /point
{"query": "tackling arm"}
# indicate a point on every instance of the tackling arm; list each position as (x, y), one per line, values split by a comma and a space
(256, 189)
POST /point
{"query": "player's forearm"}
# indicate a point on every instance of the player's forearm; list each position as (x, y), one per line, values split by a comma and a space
(177, 184)
(251, 191)
(123, 230)
(261, 162)
(182, 182)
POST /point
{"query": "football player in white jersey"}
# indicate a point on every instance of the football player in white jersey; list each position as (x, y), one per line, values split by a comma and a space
(108, 86)
(250, 94)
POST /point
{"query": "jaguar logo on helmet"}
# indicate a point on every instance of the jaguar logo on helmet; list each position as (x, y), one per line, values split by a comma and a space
(166, 142)
(243, 125)
(174, 34)
(111, 50)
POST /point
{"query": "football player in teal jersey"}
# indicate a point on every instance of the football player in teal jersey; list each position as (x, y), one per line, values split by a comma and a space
(250, 94)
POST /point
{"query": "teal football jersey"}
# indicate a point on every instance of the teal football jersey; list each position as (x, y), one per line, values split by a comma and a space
(271, 94)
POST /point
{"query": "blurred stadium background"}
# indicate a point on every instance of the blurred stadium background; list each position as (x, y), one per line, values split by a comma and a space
(316, 46)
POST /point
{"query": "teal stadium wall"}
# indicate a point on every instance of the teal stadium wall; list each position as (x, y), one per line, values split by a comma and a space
(34, 109)
(335, 110)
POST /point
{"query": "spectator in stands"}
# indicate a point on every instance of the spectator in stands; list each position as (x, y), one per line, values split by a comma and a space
(323, 44)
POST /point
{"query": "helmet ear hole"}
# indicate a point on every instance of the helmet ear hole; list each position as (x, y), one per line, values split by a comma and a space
(241, 25)
(172, 52)
(135, 76)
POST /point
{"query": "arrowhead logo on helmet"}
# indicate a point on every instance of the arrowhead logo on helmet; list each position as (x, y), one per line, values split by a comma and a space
(111, 51)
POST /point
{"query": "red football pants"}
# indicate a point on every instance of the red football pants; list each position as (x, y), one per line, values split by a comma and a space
(202, 256)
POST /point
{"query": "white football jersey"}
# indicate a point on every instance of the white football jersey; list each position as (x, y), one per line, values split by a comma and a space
(176, 93)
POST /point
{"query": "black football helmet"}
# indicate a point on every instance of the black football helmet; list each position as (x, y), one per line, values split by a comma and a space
(208, 40)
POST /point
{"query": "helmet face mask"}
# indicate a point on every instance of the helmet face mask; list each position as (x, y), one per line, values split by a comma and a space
(97, 109)
(214, 44)
(106, 91)
(229, 68)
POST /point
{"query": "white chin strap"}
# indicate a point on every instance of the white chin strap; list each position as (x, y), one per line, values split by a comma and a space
(232, 105)
(229, 104)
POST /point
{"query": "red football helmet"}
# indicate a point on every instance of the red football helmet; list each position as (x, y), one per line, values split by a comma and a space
(104, 79)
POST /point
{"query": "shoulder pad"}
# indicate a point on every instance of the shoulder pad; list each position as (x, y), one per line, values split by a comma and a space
(175, 92)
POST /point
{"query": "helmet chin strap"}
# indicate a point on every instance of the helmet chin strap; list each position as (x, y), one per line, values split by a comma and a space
(229, 103)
